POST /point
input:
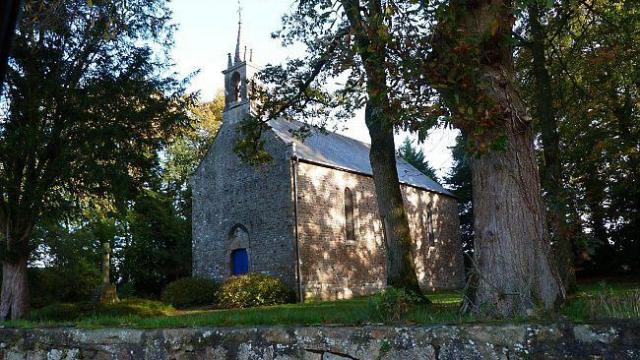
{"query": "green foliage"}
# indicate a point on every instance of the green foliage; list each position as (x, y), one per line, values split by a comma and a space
(253, 290)
(392, 305)
(607, 305)
(153, 230)
(250, 145)
(63, 284)
(126, 291)
(604, 301)
(190, 292)
(159, 246)
(444, 310)
(415, 157)
(339, 46)
(88, 103)
(68, 260)
(591, 56)
(76, 311)
(188, 148)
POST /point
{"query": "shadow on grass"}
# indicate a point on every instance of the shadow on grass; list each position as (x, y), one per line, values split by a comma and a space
(608, 301)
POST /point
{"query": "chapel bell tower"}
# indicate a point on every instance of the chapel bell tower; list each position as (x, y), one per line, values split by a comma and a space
(236, 79)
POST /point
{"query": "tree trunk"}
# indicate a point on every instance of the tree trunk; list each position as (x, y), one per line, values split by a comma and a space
(513, 271)
(401, 269)
(14, 301)
(471, 65)
(552, 168)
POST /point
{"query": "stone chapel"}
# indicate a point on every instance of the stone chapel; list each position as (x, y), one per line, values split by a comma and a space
(310, 216)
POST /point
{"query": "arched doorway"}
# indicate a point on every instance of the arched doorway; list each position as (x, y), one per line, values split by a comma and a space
(239, 250)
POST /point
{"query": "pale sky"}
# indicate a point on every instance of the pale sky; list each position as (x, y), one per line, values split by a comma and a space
(207, 33)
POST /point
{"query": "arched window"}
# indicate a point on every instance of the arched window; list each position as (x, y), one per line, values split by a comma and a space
(236, 87)
(430, 228)
(348, 214)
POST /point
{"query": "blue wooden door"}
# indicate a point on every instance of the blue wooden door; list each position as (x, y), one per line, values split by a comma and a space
(239, 262)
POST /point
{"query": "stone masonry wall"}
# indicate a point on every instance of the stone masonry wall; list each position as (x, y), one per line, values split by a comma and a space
(504, 342)
(439, 262)
(231, 197)
(332, 267)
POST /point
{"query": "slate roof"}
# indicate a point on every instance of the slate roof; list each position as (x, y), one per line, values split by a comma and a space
(343, 152)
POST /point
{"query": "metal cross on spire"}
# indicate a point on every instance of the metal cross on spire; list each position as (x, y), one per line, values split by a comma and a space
(237, 57)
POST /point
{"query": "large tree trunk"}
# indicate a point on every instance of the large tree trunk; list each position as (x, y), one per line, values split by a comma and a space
(513, 272)
(552, 166)
(401, 270)
(472, 66)
(14, 301)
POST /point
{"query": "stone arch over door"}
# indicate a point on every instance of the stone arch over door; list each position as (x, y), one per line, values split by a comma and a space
(238, 246)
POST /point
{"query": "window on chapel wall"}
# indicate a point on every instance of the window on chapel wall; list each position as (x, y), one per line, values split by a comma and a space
(430, 228)
(348, 214)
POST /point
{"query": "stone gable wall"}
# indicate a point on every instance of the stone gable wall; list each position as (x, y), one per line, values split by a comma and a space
(439, 263)
(228, 192)
(332, 267)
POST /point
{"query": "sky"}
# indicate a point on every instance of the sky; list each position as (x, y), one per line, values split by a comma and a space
(207, 31)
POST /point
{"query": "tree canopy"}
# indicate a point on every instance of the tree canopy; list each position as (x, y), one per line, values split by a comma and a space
(86, 106)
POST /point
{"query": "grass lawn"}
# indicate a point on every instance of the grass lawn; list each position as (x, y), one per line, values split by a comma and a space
(590, 302)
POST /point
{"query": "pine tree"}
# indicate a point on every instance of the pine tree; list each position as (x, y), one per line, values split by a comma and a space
(415, 157)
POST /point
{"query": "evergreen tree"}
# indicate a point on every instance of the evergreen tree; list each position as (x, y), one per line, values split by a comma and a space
(86, 113)
(415, 157)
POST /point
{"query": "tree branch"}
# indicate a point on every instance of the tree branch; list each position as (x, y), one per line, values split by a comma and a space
(352, 10)
(319, 65)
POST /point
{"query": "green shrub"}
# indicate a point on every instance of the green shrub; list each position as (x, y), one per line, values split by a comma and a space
(190, 292)
(126, 290)
(74, 283)
(391, 305)
(253, 290)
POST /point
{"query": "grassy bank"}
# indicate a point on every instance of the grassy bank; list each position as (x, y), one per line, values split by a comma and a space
(590, 302)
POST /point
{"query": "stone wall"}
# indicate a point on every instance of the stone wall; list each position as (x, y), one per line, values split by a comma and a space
(229, 194)
(508, 342)
(439, 260)
(333, 267)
